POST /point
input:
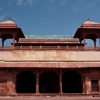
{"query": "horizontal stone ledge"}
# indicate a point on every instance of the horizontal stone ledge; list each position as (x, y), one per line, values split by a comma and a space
(49, 64)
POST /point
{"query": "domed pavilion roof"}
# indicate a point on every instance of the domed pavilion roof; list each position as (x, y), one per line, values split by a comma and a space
(9, 28)
(8, 24)
(89, 30)
(90, 24)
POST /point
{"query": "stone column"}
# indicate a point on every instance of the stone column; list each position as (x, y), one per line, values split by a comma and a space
(17, 41)
(84, 40)
(14, 81)
(14, 40)
(60, 79)
(84, 43)
(80, 42)
(87, 85)
(2, 42)
(37, 82)
(95, 43)
(83, 80)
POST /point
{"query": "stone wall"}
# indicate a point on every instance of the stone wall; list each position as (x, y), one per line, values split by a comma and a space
(6, 81)
(49, 55)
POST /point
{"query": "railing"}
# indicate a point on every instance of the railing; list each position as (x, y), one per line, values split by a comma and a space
(49, 36)
(48, 48)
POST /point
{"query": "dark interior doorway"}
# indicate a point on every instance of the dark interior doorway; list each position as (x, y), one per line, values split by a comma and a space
(72, 82)
(49, 82)
(26, 82)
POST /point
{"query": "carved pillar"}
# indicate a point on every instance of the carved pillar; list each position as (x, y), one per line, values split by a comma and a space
(37, 82)
(14, 81)
(87, 85)
(60, 79)
(95, 43)
(17, 40)
(80, 41)
(83, 80)
(2, 42)
(13, 40)
(84, 42)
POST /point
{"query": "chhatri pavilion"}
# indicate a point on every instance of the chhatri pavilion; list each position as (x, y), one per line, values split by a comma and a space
(51, 63)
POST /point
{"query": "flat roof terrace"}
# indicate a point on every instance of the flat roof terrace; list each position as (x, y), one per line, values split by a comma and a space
(49, 36)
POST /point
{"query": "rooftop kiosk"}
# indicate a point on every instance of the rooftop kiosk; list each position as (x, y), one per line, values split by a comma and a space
(10, 30)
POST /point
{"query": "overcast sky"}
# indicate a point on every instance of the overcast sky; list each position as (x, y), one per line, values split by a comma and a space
(58, 17)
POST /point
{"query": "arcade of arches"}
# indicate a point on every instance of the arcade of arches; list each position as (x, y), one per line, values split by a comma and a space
(25, 81)
(49, 81)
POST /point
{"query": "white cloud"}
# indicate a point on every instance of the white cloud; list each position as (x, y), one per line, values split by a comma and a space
(90, 5)
(26, 2)
(53, 0)
(30, 2)
(82, 5)
(62, 2)
(3, 16)
(19, 2)
(77, 6)
(9, 3)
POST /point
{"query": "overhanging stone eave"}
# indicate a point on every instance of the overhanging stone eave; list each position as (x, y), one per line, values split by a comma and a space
(49, 64)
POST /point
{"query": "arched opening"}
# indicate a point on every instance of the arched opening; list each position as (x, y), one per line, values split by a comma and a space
(26, 82)
(49, 82)
(72, 82)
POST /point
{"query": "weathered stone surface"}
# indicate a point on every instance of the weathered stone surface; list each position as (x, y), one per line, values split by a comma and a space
(88, 86)
(49, 55)
(10, 87)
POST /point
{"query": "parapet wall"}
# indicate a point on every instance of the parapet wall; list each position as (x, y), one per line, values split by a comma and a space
(49, 55)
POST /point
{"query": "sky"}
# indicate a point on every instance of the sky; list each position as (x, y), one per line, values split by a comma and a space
(50, 17)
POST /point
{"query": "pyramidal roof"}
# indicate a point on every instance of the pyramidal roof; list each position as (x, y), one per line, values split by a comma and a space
(90, 24)
(8, 24)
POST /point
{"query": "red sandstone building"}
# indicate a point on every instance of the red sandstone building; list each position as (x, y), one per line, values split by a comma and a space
(50, 64)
